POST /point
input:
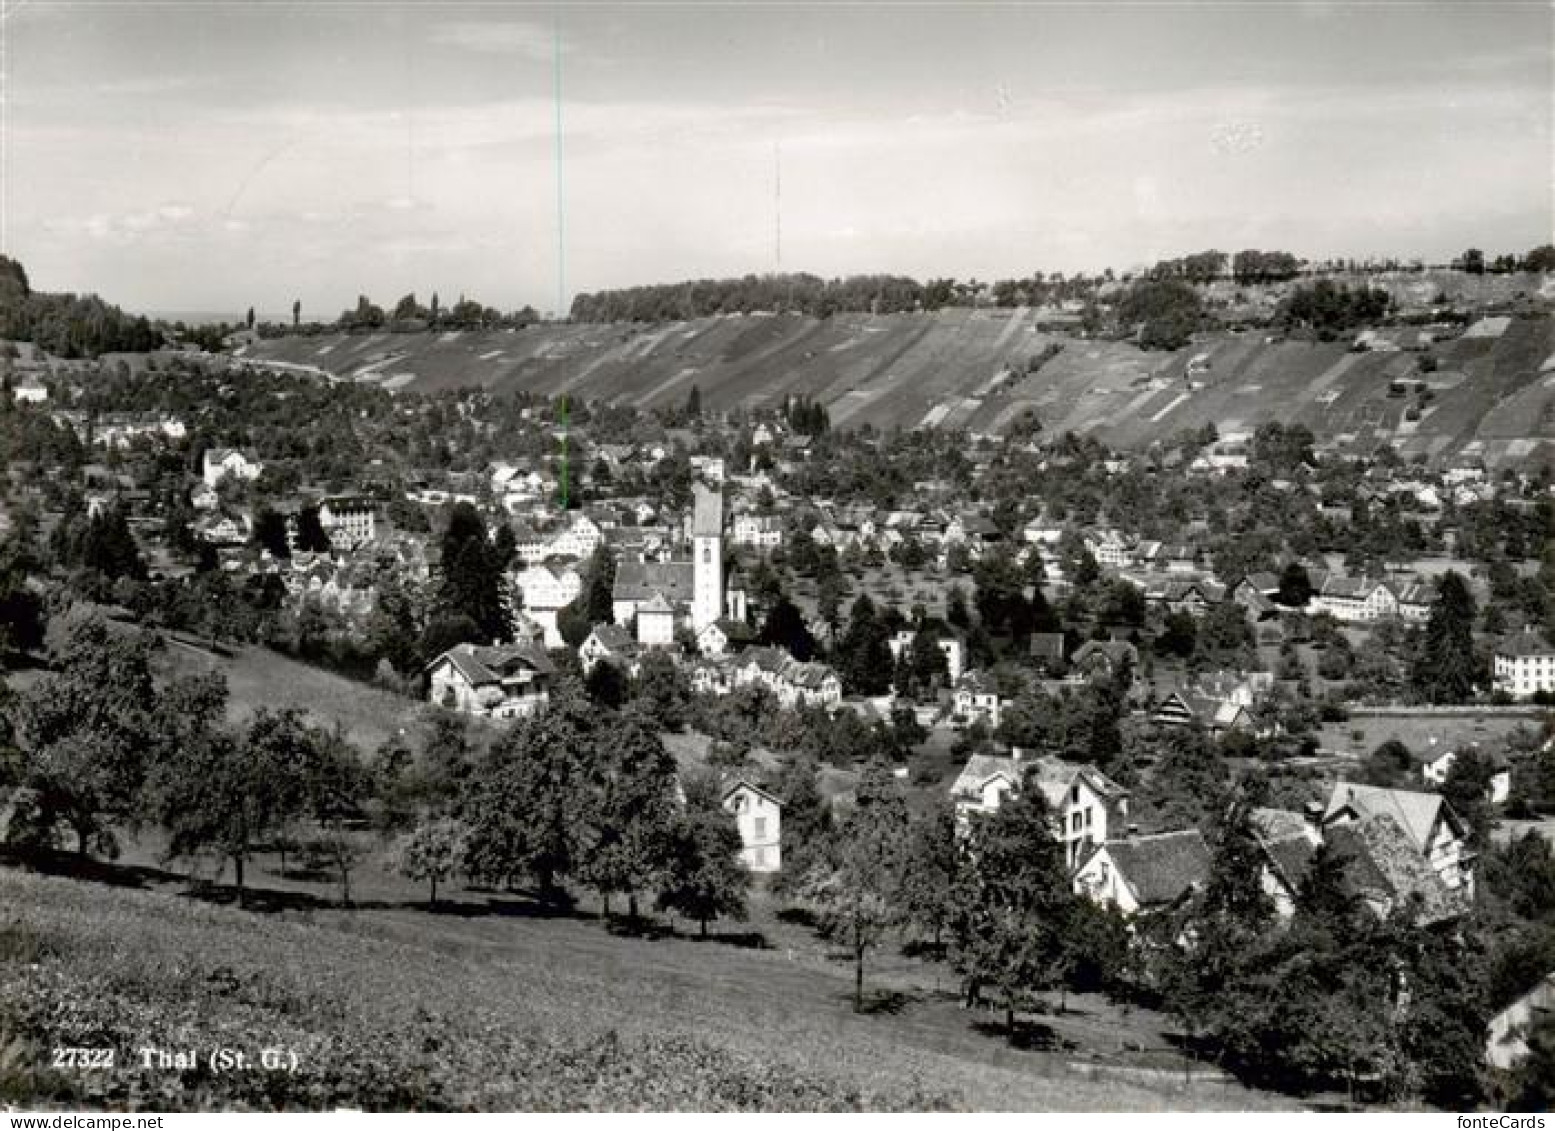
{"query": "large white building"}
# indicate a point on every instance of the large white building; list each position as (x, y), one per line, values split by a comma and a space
(348, 521)
(1524, 666)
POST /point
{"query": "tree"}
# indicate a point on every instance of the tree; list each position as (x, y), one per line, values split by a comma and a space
(1295, 587)
(296, 313)
(87, 730)
(807, 819)
(705, 877)
(431, 852)
(1473, 261)
(854, 887)
(527, 803)
(631, 816)
(232, 794)
(661, 691)
(931, 872)
(863, 655)
(1390, 764)
(785, 628)
(470, 584)
(1446, 669)
(1008, 930)
(335, 785)
(249, 318)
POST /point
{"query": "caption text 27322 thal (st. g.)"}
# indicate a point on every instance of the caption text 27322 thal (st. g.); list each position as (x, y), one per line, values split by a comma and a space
(221, 1059)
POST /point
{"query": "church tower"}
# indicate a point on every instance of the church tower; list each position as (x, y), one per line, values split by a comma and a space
(707, 548)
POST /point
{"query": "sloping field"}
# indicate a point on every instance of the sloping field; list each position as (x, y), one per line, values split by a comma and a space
(966, 369)
(487, 1006)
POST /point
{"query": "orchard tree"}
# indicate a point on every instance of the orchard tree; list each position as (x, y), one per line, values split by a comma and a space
(705, 876)
(87, 730)
(1012, 906)
(431, 852)
(631, 812)
(854, 888)
(527, 803)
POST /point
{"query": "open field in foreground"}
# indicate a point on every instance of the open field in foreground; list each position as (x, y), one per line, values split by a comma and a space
(490, 1004)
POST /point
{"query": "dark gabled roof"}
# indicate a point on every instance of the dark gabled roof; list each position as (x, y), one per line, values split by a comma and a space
(735, 784)
(1290, 857)
(1524, 644)
(1382, 863)
(1162, 867)
(487, 665)
(615, 639)
(638, 581)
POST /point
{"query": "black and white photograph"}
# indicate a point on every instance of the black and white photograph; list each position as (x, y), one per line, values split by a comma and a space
(777, 557)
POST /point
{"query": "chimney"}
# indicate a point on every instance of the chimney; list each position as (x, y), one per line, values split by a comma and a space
(1015, 753)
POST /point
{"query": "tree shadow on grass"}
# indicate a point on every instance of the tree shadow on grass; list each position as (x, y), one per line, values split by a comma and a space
(1030, 1036)
(51, 862)
(745, 940)
(885, 1002)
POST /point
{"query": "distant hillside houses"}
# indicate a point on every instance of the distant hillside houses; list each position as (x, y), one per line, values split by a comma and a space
(1360, 599)
(791, 682)
(579, 537)
(544, 591)
(239, 463)
(119, 430)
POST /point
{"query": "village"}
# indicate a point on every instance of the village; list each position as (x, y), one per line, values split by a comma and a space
(1238, 649)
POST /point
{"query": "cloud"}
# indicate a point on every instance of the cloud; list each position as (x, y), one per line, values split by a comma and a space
(499, 37)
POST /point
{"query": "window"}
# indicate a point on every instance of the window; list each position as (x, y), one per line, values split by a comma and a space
(707, 553)
(1087, 816)
(761, 827)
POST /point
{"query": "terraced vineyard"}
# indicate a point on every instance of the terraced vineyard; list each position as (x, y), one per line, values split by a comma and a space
(1493, 388)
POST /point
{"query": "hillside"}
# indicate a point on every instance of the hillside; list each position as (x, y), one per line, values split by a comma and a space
(489, 1007)
(1494, 385)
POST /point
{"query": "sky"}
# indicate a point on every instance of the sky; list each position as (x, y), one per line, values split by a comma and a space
(214, 156)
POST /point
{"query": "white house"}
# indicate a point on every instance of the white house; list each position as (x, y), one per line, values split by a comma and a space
(759, 816)
(976, 698)
(609, 643)
(1506, 1036)
(1087, 806)
(1524, 666)
(1433, 830)
(30, 390)
(758, 531)
(499, 682)
(236, 462)
(656, 622)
